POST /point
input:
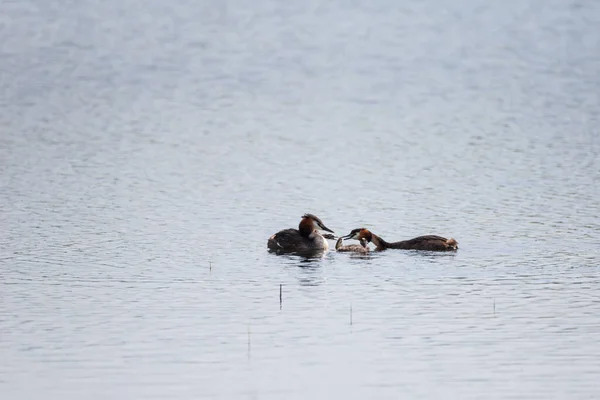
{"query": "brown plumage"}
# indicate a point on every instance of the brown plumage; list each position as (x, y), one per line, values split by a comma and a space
(428, 242)
(355, 248)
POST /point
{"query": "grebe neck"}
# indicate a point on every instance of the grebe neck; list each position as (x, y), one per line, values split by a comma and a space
(379, 242)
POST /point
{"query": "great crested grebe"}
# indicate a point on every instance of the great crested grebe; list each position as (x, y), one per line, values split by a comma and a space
(304, 239)
(429, 242)
(355, 248)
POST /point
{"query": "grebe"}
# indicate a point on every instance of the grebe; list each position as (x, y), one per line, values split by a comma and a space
(362, 248)
(429, 242)
(304, 239)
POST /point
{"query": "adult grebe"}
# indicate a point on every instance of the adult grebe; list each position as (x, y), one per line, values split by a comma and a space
(428, 242)
(304, 239)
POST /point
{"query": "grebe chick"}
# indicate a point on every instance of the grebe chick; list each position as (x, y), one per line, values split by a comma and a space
(362, 248)
(428, 242)
(306, 238)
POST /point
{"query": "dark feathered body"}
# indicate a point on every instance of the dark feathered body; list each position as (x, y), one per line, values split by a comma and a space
(304, 239)
(291, 240)
(427, 242)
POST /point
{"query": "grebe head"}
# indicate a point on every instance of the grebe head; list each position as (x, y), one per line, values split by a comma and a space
(359, 234)
(312, 222)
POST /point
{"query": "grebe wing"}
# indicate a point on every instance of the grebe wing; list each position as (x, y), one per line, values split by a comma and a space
(429, 242)
(427, 238)
(285, 239)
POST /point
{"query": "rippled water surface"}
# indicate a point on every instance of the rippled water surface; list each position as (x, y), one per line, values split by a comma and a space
(149, 149)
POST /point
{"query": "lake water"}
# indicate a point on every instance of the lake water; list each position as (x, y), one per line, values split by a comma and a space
(148, 150)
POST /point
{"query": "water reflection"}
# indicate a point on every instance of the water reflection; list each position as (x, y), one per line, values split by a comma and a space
(360, 256)
(303, 255)
(308, 271)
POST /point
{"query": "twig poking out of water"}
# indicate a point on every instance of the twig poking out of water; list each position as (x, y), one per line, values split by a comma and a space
(494, 305)
(280, 295)
(248, 339)
(210, 266)
(350, 314)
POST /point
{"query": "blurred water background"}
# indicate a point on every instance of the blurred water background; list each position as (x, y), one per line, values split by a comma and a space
(148, 149)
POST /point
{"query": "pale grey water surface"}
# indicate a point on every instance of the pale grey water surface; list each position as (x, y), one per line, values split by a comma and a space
(148, 149)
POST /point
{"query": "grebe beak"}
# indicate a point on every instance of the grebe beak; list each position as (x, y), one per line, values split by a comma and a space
(326, 229)
(348, 236)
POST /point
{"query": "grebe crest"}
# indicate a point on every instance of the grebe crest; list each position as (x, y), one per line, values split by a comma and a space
(359, 234)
